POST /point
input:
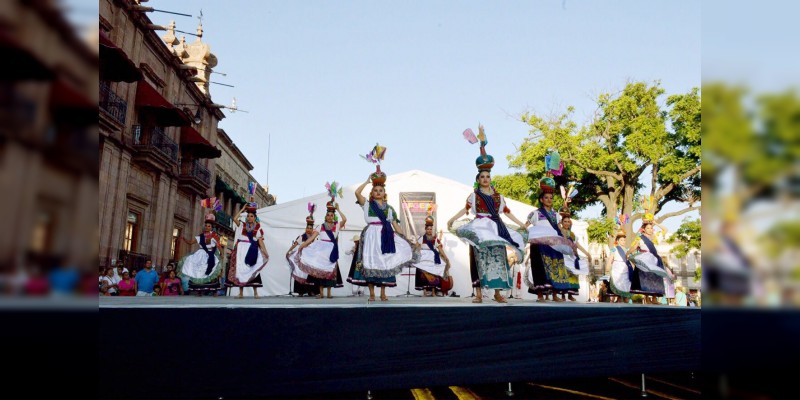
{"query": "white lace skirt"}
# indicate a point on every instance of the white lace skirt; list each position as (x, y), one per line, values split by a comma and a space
(375, 264)
(482, 232)
(245, 273)
(620, 280)
(648, 262)
(195, 265)
(569, 261)
(314, 260)
(427, 264)
(544, 234)
(297, 273)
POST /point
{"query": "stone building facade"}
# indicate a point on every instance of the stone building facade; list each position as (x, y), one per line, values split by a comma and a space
(231, 183)
(158, 137)
(48, 140)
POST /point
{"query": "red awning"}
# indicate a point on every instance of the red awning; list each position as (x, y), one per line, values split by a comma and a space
(194, 142)
(19, 63)
(115, 65)
(70, 105)
(153, 103)
(64, 95)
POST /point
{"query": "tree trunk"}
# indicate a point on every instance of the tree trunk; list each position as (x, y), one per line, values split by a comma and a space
(611, 212)
(627, 208)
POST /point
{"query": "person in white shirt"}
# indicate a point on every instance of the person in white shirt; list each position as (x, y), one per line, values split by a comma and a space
(118, 271)
(108, 286)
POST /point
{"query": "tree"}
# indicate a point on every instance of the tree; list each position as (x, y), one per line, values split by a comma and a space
(781, 237)
(753, 139)
(759, 145)
(687, 237)
(630, 135)
(600, 229)
(517, 187)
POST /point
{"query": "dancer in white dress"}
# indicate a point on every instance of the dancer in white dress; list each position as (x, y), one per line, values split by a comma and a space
(249, 254)
(301, 284)
(574, 264)
(650, 271)
(203, 267)
(487, 233)
(433, 265)
(318, 256)
(546, 272)
(383, 250)
(621, 268)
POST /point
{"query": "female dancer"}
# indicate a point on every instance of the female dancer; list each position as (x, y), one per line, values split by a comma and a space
(249, 254)
(433, 265)
(301, 284)
(487, 233)
(318, 256)
(621, 268)
(383, 252)
(203, 267)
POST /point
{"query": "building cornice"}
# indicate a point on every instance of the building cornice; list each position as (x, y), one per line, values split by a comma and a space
(223, 136)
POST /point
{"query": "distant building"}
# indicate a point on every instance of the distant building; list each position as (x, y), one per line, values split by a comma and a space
(231, 182)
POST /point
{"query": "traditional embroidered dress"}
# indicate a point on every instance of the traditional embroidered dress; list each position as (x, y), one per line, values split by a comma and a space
(490, 238)
(355, 263)
(301, 284)
(247, 260)
(382, 253)
(203, 267)
(573, 263)
(320, 259)
(621, 272)
(547, 270)
(650, 272)
(431, 266)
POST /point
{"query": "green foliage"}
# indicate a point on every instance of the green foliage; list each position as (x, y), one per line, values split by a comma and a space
(630, 134)
(727, 128)
(600, 229)
(687, 236)
(698, 273)
(516, 186)
(781, 237)
(759, 143)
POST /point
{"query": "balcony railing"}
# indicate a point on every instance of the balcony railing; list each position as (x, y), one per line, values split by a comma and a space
(197, 171)
(155, 138)
(114, 105)
(223, 219)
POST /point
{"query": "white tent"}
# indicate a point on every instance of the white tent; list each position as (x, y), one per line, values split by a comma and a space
(284, 222)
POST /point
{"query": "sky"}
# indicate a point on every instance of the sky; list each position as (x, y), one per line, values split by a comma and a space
(324, 81)
(751, 43)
